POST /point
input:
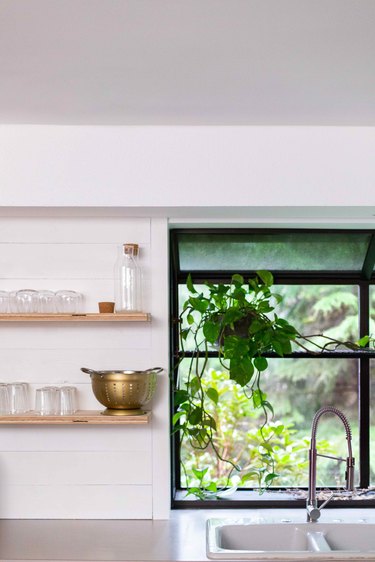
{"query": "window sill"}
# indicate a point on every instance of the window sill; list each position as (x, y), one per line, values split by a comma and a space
(246, 499)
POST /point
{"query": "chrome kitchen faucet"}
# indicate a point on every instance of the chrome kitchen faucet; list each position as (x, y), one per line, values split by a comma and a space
(313, 511)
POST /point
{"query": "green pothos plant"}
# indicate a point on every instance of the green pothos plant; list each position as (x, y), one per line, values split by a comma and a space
(239, 321)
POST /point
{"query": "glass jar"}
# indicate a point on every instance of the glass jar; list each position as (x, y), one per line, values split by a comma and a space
(128, 289)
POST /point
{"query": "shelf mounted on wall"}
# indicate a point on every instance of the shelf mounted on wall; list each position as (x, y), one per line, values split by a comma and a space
(88, 317)
(81, 417)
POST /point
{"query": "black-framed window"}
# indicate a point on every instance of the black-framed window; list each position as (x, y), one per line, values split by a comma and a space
(326, 279)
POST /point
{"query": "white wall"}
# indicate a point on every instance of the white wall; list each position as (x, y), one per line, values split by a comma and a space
(91, 471)
(186, 166)
(121, 472)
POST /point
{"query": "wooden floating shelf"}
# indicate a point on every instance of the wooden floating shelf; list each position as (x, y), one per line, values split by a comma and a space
(81, 417)
(87, 317)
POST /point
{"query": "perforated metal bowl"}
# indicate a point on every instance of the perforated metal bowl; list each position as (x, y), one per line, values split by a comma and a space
(123, 393)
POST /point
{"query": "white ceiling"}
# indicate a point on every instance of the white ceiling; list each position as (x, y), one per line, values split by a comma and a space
(156, 62)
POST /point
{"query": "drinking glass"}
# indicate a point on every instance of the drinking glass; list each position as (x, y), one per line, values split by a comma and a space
(19, 397)
(45, 301)
(4, 399)
(68, 400)
(26, 301)
(12, 302)
(4, 302)
(69, 302)
(46, 400)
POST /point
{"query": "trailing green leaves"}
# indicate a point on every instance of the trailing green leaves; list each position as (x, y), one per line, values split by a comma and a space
(234, 318)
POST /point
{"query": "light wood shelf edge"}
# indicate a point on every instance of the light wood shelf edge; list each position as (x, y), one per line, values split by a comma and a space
(85, 317)
(82, 417)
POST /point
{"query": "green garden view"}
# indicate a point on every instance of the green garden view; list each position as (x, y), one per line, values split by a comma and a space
(297, 388)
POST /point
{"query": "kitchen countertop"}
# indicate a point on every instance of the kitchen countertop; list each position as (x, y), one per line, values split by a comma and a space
(179, 539)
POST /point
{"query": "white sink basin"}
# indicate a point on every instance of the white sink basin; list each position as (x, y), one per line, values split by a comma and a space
(245, 539)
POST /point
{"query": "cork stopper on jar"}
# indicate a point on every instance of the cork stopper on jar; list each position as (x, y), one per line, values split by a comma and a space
(132, 249)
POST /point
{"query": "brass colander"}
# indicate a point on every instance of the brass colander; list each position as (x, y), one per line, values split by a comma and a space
(124, 393)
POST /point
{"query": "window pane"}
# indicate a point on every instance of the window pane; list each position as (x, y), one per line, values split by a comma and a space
(321, 309)
(299, 251)
(296, 388)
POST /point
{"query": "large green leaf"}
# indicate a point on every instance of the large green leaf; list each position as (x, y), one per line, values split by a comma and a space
(189, 284)
(266, 277)
(177, 416)
(213, 394)
(241, 370)
(265, 307)
(234, 347)
(277, 346)
(239, 294)
(211, 331)
(363, 341)
(268, 405)
(180, 396)
(196, 416)
(199, 303)
(232, 315)
(257, 325)
(237, 280)
(258, 398)
(184, 333)
(194, 386)
(260, 363)
(270, 477)
(199, 473)
(212, 487)
(190, 319)
(210, 422)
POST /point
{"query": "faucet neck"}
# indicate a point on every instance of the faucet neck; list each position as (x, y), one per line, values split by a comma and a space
(333, 410)
(313, 512)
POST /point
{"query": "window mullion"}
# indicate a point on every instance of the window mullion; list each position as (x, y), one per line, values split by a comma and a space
(364, 390)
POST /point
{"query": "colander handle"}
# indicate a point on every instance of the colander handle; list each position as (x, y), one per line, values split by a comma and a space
(89, 371)
(154, 370)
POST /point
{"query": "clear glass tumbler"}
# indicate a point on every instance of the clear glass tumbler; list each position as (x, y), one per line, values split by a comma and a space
(4, 302)
(4, 399)
(47, 400)
(13, 302)
(68, 400)
(69, 302)
(19, 397)
(26, 301)
(45, 301)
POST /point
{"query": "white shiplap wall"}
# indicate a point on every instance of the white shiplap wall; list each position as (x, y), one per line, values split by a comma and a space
(82, 472)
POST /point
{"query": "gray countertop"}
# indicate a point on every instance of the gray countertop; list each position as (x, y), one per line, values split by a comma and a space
(179, 539)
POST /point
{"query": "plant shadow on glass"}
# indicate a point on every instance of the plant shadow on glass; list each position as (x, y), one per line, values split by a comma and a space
(239, 321)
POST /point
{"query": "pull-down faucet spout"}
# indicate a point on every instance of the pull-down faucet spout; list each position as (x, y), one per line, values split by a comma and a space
(313, 511)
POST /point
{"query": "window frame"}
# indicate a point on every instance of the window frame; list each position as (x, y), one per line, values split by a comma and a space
(363, 279)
